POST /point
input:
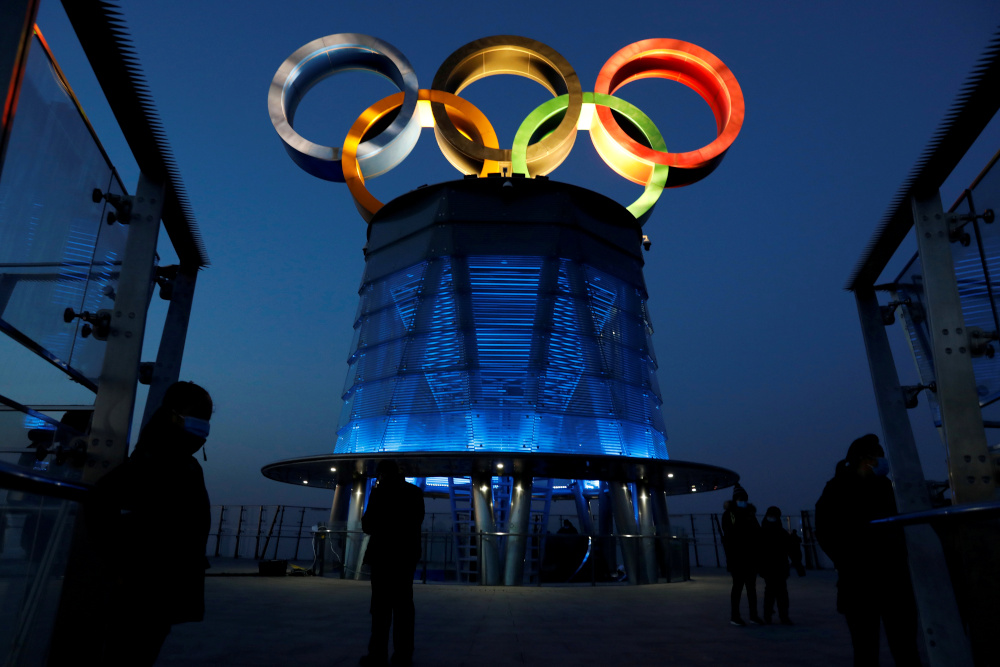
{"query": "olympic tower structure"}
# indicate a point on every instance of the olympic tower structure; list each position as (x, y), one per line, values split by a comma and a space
(502, 352)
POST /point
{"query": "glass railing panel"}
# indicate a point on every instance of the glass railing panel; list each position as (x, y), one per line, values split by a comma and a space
(51, 230)
(35, 534)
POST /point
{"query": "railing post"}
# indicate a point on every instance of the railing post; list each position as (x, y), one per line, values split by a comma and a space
(694, 541)
(218, 534)
(239, 530)
(298, 542)
(256, 545)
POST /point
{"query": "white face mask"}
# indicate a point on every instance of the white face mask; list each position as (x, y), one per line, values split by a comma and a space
(771, 519)
(741, 503)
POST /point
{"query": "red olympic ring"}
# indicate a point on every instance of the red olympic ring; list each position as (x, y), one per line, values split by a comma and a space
(697, 69)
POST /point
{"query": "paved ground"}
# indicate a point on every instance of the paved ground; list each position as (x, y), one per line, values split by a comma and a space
(299, 621)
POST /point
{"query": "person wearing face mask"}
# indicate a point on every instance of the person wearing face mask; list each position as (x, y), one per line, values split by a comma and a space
(740, 533)
(776, 549)
(873, 579)
(157, 520)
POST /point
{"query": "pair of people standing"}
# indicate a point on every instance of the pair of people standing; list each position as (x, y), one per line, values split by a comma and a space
(752, 549)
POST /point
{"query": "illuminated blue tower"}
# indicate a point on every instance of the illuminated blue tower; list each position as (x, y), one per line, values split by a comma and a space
(503, 315)
(501, 350)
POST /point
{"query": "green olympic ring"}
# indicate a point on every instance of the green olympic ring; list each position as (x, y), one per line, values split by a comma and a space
(546, 116)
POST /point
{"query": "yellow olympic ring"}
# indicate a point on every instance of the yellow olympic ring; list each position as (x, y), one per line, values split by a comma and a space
(508, 54)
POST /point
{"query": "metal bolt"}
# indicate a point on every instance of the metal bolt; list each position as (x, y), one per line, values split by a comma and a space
(947, 350)
(967, 458)
(970, 479)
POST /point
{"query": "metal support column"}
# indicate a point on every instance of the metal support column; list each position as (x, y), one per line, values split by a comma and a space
(970, 469)
(661, 521)
(338, 524)
(517, 526)
(355, 509)
(606, 528)
(115, 401)
(621, 505)
(582, 508)
(167, 368)
(940, 622)
(648, 532)
(482, 503)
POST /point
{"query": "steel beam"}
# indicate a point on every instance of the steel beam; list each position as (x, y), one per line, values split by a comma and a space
(109, 433)
(940, 622)
(167, 368)
(970, 469)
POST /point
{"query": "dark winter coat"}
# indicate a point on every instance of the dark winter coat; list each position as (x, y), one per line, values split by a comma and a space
(870, 559)
(392, 519)
(777, 548)
(740, 534)
(156, 514)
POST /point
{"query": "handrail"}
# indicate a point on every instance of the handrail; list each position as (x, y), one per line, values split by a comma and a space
(979, 510)
(17, 478)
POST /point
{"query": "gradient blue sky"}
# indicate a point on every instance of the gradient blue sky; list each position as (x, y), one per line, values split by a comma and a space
(762, 365)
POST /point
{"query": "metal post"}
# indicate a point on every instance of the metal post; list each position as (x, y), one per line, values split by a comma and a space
(621, 505)
(942, 629)
(694, 542)
(281, 522)
(482, 499)
(218, 534)
(115, 401)
(714, 519)
(167, 368)
(605, 526)
(298, 542)
(661, 523)
(256, 544)
(517, 541)
(648, 531)
(338, 521)
(239, 529)
(582, 508)
(352, 552)
(969, 466)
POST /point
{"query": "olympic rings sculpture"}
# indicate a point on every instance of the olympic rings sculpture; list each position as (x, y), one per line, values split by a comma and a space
(544, 139)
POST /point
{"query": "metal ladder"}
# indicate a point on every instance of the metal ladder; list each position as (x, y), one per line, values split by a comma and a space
(463, 526)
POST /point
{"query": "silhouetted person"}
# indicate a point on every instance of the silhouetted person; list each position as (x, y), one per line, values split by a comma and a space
(777, 548)
(873, 575)
(567, 528)
(740, 532)
(392, 518)
(154, 519)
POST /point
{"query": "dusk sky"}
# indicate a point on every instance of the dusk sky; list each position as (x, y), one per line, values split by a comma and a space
(761, 362)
